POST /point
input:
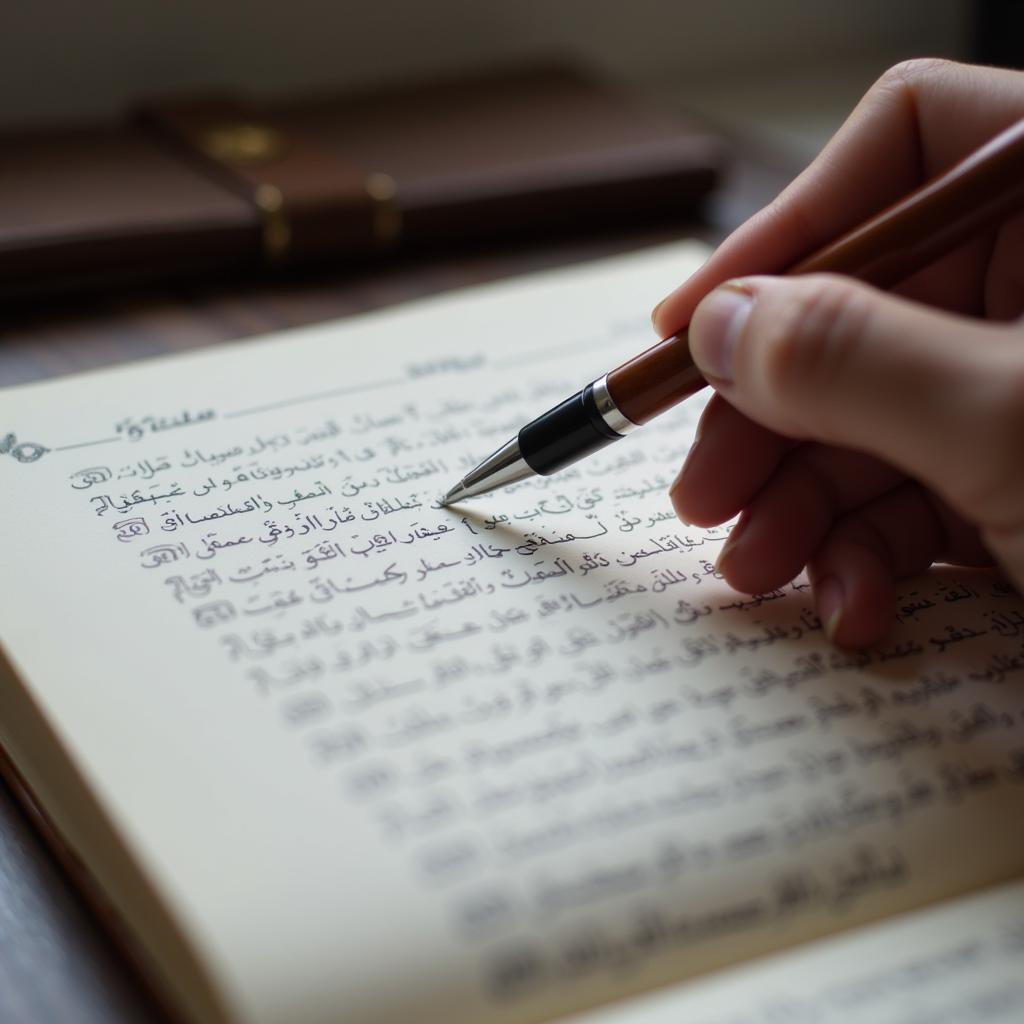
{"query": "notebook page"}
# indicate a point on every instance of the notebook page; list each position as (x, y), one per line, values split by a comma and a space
(954, 964)
(497, 762)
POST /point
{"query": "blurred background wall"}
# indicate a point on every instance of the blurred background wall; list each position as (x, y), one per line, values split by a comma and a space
(74, 58)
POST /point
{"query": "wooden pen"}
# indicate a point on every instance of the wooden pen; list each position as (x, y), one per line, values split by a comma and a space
(982, 189)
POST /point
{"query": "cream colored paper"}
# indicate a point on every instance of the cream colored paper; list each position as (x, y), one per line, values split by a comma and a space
(954, 964)
(380, 761)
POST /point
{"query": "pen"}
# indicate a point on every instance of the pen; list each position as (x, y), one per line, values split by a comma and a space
(976, 193)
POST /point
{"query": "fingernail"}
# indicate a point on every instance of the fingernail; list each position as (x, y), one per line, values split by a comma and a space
(716, 325)
(731, 542)
(829, 593)
(674, 496)
(673, 499)
(654, 312)
(677, 483)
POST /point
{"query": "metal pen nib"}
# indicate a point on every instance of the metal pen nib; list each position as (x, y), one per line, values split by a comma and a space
(505, 466)
(582, 424)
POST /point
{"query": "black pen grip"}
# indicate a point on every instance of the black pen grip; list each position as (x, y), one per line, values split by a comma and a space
(564, 434)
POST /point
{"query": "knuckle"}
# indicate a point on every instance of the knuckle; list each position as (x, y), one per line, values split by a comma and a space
(787, 216)
(994, 489)
(807, 335)
(911, 72)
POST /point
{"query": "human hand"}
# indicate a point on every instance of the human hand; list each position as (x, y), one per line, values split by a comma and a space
(863, 435)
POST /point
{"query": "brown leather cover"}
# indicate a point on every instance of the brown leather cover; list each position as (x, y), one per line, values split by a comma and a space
(205, 186)
(311, 203)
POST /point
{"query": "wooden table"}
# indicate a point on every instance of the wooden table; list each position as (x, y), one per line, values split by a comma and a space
(57, 965)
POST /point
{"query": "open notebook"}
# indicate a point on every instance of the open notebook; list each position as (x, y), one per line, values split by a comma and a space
(332, 753)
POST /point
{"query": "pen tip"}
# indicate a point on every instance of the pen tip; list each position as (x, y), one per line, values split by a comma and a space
(453, 496)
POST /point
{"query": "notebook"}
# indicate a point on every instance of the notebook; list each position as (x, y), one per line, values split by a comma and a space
(324, 751)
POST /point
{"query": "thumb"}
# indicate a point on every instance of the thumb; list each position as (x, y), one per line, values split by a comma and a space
(820, 357)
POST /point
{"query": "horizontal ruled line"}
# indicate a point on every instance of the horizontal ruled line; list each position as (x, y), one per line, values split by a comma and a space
(316, 397)
(86, 444)
(526, 359)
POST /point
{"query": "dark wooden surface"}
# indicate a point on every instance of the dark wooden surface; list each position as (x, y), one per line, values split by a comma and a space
(57, 965)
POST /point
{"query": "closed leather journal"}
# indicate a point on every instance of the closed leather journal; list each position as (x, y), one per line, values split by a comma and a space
(207, 185)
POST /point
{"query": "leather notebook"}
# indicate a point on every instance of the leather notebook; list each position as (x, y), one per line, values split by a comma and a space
(214, 184)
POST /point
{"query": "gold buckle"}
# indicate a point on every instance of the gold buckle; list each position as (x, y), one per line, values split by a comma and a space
(242, 143)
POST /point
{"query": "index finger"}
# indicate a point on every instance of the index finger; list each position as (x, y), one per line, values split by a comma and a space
(918, 119)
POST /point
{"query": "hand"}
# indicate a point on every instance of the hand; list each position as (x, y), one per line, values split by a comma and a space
(863, 435)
